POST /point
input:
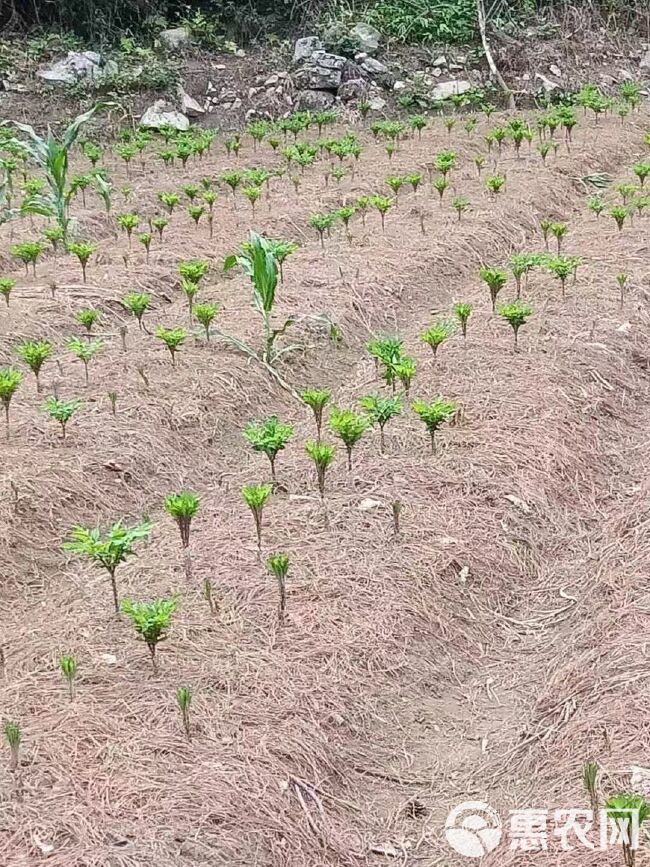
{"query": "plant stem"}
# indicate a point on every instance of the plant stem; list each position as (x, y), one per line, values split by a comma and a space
(116, 601)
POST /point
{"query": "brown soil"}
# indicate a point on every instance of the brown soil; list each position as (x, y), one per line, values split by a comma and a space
(486, 653)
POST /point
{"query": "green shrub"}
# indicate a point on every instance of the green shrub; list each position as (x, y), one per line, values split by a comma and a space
(449, 21)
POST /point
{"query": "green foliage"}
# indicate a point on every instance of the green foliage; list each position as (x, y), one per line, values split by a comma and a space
(495, 280)
(322, 223)
(110, 550)
(173, 338)
(516, 314)
(255, 497)
(34, 353)
(54, 234)
(28, 253)
(159, 224)
(169, 200)
(88, 317)
(151, 620)
(193, 270)
(278, 565)
(83, 251)
(68, 668)
(463, 311)
(440, 185)
(205, 313)
(10, 381)
(561, 267)
(182, 507)
(383, 204)
(13, 737)
(270, 437)
(85, 350)
(380, 410)
(495, 184)
(61, 410)
(184, 702)
(619, 214)
(434, 414)
(349, 427)
(137, 303)
(460, 204)
(436, 335)
(7, 285)
(317, 400)
(322, 455)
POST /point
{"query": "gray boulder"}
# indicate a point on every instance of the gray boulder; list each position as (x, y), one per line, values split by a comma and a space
(374, 67)
(161, 114)
(323, 71)
(77, 65)
(450, 88)
(366, 37)
(645, 61)
(314, 100)
(305, 47)
(189, 105)
(355, 88)
(175, 39)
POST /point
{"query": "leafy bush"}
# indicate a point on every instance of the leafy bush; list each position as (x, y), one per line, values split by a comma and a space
(452, 21)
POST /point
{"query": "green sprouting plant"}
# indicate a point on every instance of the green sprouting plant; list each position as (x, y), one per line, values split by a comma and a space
(278, 565)
(345, 214)
(641, 170)
(322, 223)
(395, 183)
(159, 224)
(282, 250)
(173, 338)
(417, 123)
(440, 185)
(205, 314)
(349, 427)
(463, 311)
(317, 400)
(495, 184)
(80, 182)
(437, 334)
(544, 148)
(628, 812)
(270, 437)
(383, 204)
(61, 411)
(380, 410)
(414, 180)
(7, 286)
(68, 668)
(626, 192)
(516, 314)
(88, 317)
(169, 200)
(126, 193)
(445, 162)
(255, 497)
(519, 265)
(252, 194)
(619, 214)
(561, 267)
(182, 507)
(145, 239)
(34, 353)
(495, 280)
(85, 350)
(590, 779)
(322, 455)
(390, 149)
(137, 303)
(190, 290)
(404, 370)
(10, 381)
(460, 205)
(151, 620)
(193, 270)
(128, 222)
(191, 191)
(51, 155)
(28, 253)
(470, 125)
(559, 230)
(13, 736)
(621, 280)
(126, 152)
(54, 234)
(433, 415)
(630, 92)
(110, 550)
(479, 162)
(232, 179)
(195, 212)
(92, 152)
(83, 251)
(184, 702)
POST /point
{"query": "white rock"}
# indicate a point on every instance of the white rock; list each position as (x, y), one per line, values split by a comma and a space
(456, 67)
(366, 36)
(374, 67)
(77, 64)
(644, 63)
(440, 61)
(305, 47)
(108, 658)
(210, 88)
(400, 85)
(640, 780)
(240, 53)
(377, 103)
(161, 114)
(189, 105)
(546, 83)
(369, 504)
(555, 70)
(175, 38)
(272, 80)
(450, 88)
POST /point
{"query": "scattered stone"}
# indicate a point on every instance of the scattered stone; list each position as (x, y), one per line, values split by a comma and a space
(77, 64)
(271, 80)
(162, 114)
(518, 503)
(456, 67)
(625, 75)
(374, 67)
(644, 63)
(175, 39)
(111, 68)
(360, 57)
(305, 47)
(366, 36)
(377, 103)
(314, 100)
(108, 658)
(439, 62)
(355, 88)
(240, 53)
(450, 88)
(400, 85)
(189, 105)
(546, 83)
(555, 70)
(210, 88)
(323, 71)
(436, 72)
(13, 86)
(236, 104)
(369, 504)
(219, 66)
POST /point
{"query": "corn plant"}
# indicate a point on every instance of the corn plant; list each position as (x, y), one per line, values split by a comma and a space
(169, 200)
(182, 508)
(495, 280)
(85, 350)
(88, 317)
(7, 286)
(34, 353)
(322, 455)
(204, 315)
(255, 497)
(628, 812)
(349, 427)
(463, 311)
(51, 155)
(516, 314)
(151, 620)
(590, 780)
(380, 410)
(68, 668)
(173, 338)
(437, 334)
(13, 737)
(316, 399)
(61, 411)
(83, 251)
(107, 551)
(10, 381)
(137, 304)
(28, 253)
(621, 280)
(433, 415)
(184, 702)
(278, 566)
(270, 437)
(105, 192)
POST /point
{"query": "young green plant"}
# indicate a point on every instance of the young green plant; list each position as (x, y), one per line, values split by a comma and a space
(349, 427)
(270, 437)
(151, 621)
(256, 497)
(433, 415)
